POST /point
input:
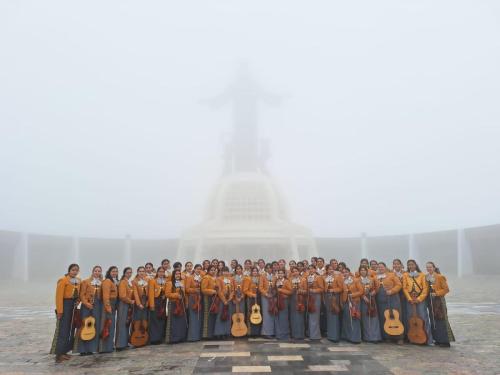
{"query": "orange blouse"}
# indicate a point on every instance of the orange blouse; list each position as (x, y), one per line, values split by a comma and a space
(126, 291)
(415, 286)
(89, 292)
(66, 289)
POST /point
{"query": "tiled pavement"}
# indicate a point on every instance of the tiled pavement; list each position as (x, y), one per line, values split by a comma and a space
(27, 326)
(259, 356)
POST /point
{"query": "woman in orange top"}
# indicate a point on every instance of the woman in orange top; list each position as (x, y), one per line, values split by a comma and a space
(238, 301)
(177, 320)
(265, 282)
(251, 291)
(369, 317)
(297, 305)
(124, 309)
(195, 303)
(210, 302)
(108, 320)
(157, 302)
(91, 297)
(226, 293)
(351, 316)
(436, 303)
(416, 289)
(67, 298)
(388, 298)
(315, 289)
(140, 284)
(283, 286)
(334, 286)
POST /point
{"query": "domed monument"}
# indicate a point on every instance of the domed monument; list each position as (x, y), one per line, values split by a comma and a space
(246, 215)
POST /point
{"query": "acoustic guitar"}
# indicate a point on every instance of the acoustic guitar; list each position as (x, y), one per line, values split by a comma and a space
(140, 334)
(238, 328)
(392, 325)
(416, 331)
(88, 331)
(255, 316)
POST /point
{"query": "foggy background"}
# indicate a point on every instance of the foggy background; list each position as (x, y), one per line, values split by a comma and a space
(390, 122)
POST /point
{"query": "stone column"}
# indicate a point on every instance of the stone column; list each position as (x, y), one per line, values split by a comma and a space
(464, 256)
(364, 246)
(75, 250)
(128, 251)
(21, 258)
(413, 248)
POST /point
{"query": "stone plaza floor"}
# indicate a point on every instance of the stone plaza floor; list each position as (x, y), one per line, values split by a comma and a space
(27, 325)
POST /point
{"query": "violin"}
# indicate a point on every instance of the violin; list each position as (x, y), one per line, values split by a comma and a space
(106, 328)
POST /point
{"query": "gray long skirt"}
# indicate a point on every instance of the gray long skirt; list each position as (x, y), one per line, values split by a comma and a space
(383, 303)
(351, 328)
(281, 322)
(223, 327)
(90, 346)
(268, 321)
(107, 345)
(176, 327)
(313, 324)
(370, 324)
(122, 328)
(157, 321)
(440, 328)
(195, 320)
(422, 313)
(332, 319)
(208, 318)
(297, 326)
(64, 334)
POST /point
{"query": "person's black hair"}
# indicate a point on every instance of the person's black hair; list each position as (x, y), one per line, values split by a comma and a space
(416, 265)
(177, 265)
(108, 272)
(124, 272)
(71, 266)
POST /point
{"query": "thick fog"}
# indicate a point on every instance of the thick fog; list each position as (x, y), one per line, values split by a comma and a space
(388, 119)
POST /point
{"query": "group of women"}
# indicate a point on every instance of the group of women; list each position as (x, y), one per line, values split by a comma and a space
(301, 300)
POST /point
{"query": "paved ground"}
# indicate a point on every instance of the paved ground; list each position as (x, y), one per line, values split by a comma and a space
(27, 326)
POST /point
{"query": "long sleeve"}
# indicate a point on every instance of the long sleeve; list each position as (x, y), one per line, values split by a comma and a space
(441, 287)
(151, 293)
(425, 288)
(358, 289)
(61, 284)
(405, 287)
(106, 291)
(206, 287)
(83, 293)
(287, 288)
(170, 294)
(338, 284)
(396, 284)
(263, 285)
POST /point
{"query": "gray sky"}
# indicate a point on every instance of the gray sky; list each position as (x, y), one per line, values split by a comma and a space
(391, 125)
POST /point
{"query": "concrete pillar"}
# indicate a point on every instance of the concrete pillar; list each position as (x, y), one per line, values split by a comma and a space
(464, 256)
(294, 249)
(413, 252)
(75, 250)
(127, 259)
(21, 259)
(364, 246)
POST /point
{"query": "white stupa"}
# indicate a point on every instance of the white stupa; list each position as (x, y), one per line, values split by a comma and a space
(246, 215)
